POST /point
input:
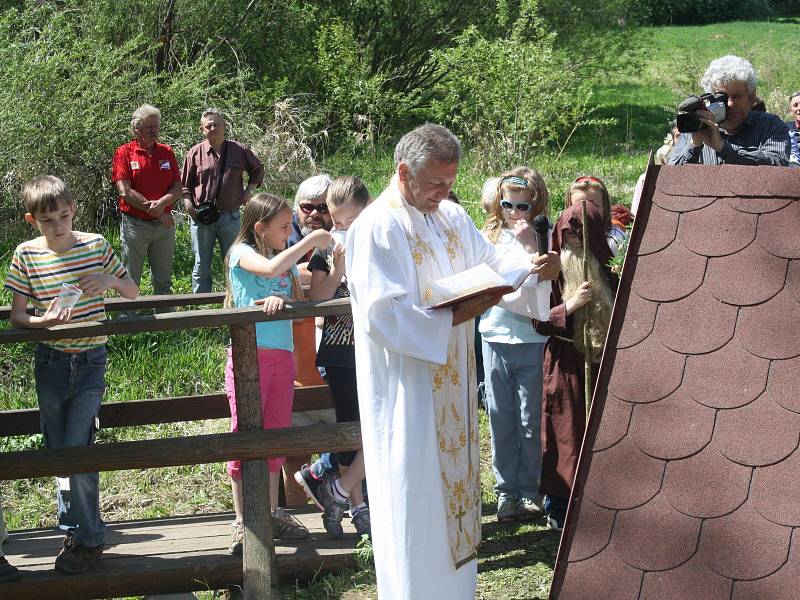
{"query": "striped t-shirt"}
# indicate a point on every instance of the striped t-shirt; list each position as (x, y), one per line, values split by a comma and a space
(39, 273)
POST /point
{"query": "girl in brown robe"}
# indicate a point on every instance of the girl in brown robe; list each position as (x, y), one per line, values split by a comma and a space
(563, 404)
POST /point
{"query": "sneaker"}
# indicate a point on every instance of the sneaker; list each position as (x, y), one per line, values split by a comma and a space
(310, 484)
(555, 521)
(8, 572)
(333, 510)
(528, 509)
(76, 558)
(237, 538)
(555, 508)
(362, 523)
(507, 508)
(286, 527)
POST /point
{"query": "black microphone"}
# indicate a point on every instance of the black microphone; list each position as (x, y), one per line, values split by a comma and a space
(541, 226)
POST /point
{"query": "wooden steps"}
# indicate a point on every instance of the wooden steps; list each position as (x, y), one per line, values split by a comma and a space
(167, 555)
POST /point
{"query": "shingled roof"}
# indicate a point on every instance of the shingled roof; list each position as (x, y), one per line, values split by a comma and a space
(689, 483)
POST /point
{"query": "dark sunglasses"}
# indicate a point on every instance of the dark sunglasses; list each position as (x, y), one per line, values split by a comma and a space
(522, 206)
(308, 208)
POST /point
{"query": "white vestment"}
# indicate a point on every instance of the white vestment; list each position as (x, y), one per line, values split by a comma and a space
(398, 345)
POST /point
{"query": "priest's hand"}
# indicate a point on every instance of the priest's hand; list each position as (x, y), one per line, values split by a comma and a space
(469, 309)
(547, 266)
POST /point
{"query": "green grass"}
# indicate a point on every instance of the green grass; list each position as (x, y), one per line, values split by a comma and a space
(514, 561)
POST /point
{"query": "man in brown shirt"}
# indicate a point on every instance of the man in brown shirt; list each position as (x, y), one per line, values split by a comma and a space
(214, 172)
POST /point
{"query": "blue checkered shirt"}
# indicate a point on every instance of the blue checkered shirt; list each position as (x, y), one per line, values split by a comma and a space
(761, 140)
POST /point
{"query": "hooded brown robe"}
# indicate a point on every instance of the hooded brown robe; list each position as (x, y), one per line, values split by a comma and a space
(563, 405)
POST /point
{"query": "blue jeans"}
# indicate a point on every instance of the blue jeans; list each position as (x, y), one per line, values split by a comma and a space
(70, 388)
(204, 237)
(325, 467)
(513, 380)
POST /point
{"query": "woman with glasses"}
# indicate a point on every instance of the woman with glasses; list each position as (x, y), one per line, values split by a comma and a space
(512, 356)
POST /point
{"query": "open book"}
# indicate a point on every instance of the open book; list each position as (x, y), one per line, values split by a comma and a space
(478, 280)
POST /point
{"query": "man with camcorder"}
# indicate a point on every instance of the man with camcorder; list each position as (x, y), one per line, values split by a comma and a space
(720, 126)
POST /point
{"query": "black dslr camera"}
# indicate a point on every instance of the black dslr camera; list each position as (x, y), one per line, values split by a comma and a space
(687, 119)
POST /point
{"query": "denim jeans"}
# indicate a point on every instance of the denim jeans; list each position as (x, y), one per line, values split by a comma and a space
(70, 388)
(148, 239)
(325, 467)
(513, 378)
(204, 237)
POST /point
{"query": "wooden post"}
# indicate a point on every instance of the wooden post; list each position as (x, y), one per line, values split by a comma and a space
(587, 357)
(258, 550)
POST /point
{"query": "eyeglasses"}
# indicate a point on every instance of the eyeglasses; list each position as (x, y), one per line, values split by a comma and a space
(521, 206)
(308, 208)
(584, 179)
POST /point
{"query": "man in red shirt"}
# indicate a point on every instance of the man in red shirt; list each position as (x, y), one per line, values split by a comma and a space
(146, 176)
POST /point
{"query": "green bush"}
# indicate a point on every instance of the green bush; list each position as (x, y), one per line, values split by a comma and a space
(66, 102)
(512, 96)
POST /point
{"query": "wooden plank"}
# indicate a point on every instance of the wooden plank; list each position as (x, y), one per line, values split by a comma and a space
(163, 410)
(161, 556)
(190, 450)
(256, 513)
(145, 302)
(177, 320)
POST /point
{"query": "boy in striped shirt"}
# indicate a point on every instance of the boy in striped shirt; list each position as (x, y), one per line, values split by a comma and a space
(69, 374)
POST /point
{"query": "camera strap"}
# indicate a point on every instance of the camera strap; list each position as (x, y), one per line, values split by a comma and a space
(212, 197)
(220, 173)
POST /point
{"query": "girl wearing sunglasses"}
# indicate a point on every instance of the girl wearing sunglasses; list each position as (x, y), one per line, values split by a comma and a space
(512, 357)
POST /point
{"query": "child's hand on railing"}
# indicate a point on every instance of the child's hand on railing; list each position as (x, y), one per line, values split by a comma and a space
(273, 304)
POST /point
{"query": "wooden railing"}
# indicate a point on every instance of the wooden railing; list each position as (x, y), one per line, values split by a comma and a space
(251, 443)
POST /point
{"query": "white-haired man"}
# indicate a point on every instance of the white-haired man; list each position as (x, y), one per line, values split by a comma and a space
(146, 176)
(416, 370)
(745, 137)
(310, 210)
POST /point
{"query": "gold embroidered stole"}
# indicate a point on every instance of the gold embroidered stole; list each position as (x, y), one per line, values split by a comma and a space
(452, 384)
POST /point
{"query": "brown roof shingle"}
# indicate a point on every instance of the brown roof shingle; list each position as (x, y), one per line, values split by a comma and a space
(689, 483)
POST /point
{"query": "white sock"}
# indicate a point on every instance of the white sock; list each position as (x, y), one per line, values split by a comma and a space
(338, 492)
(354, 510)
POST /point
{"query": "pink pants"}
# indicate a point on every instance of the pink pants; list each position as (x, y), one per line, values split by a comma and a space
(276, 372)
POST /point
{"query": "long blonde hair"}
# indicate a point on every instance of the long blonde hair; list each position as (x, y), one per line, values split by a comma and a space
(261, 208)
(599, 307)
(537, 195)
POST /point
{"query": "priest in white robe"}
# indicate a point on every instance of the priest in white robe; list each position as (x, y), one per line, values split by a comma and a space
(416, 370)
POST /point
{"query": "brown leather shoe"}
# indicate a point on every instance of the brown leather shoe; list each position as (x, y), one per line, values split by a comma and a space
(76, 558)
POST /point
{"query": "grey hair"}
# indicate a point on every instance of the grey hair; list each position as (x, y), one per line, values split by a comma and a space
(142, 113)
(794, 95)
(211, 112)
(312, 188)
(427, 142)
(729, 68)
